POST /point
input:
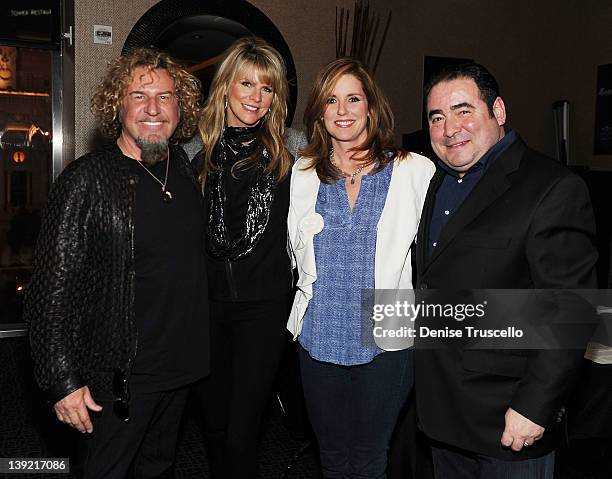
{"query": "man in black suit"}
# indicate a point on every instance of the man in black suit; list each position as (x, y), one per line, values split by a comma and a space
(498, 215)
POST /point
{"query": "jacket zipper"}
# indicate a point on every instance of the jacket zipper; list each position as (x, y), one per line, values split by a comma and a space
(132, 356)
(128, 372)
(230, 279)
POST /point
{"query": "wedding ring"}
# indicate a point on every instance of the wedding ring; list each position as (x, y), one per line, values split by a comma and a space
(526, 444)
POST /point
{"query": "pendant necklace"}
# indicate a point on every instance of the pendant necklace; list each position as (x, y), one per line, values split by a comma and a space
(346, 175)
(166, 195)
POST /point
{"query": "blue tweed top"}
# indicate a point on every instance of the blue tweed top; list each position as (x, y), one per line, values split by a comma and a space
(335, 329)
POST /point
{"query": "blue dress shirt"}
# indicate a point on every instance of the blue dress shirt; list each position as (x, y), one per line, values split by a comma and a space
(454, 189)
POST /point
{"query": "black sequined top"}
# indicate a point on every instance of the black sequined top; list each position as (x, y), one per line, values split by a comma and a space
(246, 239)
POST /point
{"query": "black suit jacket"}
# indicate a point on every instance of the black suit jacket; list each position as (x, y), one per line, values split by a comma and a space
(527, 224)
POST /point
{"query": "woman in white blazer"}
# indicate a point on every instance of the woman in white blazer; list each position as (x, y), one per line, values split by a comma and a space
(355, 204)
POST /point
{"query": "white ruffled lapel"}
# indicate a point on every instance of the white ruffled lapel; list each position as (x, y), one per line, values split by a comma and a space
(304, 222)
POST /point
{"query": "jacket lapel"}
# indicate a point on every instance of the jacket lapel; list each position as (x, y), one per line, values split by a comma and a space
(304, 190)
(490, 187)
(422, 245)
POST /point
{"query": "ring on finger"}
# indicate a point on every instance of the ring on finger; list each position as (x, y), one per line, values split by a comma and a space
(526, 444)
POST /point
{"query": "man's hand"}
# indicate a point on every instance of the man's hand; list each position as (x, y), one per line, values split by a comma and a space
(72, 410)
(520, 432)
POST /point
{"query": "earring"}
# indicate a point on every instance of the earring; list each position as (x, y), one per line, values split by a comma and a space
(225, 106)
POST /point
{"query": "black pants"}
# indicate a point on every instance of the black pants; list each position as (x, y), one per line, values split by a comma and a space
(452, 463)
(247, 341)
(146, 444)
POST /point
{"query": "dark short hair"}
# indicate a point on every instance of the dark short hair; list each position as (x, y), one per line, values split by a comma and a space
(485, 81)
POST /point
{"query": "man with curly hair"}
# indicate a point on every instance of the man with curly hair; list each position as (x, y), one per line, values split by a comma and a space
(117, 307)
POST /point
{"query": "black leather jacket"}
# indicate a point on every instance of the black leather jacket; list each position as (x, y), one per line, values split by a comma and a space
(79, 305)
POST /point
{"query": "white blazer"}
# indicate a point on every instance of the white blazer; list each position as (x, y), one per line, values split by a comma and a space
(395, 231)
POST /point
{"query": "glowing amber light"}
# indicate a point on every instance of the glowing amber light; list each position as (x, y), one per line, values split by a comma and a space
(18, 157)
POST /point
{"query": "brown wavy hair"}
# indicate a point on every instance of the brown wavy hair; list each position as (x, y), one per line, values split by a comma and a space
(106, 101)
(380, 136)
(248, 55)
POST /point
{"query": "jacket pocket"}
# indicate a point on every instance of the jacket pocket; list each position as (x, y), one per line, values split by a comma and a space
(498, 363)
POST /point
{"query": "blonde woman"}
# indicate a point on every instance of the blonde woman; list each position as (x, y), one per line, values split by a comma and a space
(354, 211)
(245, 170)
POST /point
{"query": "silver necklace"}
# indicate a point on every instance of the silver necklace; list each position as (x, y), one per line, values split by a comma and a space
(346, 175)
(166, 195)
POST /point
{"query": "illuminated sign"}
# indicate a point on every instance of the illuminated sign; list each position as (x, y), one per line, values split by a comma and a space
(31, 22)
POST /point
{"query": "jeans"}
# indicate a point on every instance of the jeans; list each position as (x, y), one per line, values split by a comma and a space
(353, 411)
(456, 464)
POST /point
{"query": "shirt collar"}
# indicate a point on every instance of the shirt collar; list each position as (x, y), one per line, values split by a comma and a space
(488, 158)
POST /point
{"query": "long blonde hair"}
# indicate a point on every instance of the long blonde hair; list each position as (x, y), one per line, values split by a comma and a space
(248, 54)
(379, 140)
